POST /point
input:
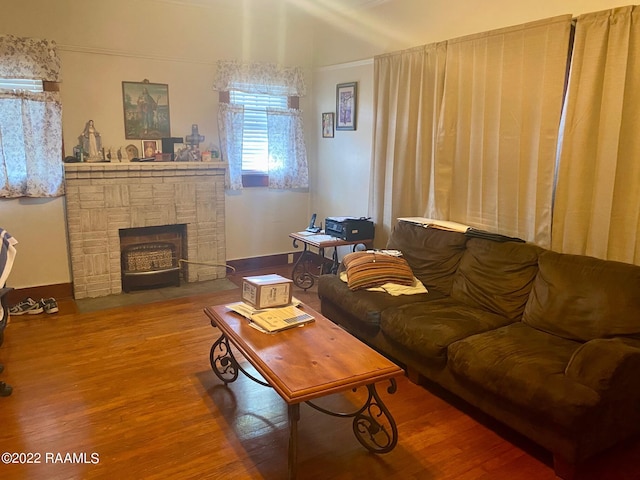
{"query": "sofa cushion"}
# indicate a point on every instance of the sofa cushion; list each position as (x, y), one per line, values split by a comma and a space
(526, 367)
(364, 305)
(496, 276)
(432, 254)
(372, 269)
(584, 298)
(428, 328)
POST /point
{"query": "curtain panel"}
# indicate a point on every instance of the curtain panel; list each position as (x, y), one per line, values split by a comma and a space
(407, 97)
(597, 205)
(498, 131)
(288, 166)
(30, 145)
(230, 121)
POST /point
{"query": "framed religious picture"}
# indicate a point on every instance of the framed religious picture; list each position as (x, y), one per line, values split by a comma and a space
(327, 125)
(346, 105)
(146, 110)
(150, 148)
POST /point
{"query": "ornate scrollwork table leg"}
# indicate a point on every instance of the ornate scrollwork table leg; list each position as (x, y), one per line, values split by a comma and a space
(373, 424)
(222, 361)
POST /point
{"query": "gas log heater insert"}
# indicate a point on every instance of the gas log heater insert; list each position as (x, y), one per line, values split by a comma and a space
(150, 256)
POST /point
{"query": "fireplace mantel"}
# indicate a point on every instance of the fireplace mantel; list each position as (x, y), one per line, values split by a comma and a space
(102, 198)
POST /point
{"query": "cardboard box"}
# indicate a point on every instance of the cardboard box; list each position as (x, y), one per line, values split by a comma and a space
(267, 291)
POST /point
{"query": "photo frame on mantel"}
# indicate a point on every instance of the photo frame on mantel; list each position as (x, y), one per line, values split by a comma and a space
(346, 105)
(146, 110)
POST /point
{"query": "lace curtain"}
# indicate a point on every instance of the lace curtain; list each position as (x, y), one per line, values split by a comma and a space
(230, 121)
(288, 167)
(263, 78)
(287, 153)
(30, 123)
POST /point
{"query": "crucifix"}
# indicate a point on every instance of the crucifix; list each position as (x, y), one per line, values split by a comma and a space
(195, 138)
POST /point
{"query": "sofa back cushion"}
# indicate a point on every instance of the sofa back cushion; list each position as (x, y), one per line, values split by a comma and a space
(583, 298)
(432, 254)
(496, 276)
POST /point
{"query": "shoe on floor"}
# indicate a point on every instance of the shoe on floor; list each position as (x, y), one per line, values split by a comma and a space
(49, 305)
(28, 305)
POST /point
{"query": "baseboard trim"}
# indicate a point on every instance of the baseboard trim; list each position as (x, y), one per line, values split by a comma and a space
(57, 291)
(254, 263)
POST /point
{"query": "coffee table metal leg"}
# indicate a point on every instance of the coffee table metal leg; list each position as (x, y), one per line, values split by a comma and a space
(373, 424)
(294, 416)
(222, 361)
(368, 423)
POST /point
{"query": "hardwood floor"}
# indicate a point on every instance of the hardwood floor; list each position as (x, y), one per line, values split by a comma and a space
(131, 393)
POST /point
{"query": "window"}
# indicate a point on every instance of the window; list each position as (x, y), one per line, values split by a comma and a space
(255, 140)
(260, 125)
(30, 118)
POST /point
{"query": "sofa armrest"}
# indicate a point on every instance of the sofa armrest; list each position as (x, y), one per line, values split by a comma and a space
(604, 365)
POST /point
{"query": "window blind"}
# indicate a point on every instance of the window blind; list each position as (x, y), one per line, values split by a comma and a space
(17, 84)
(255, 144)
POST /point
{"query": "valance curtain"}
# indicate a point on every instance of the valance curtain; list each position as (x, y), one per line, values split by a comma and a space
(288, 166)
(407, 97)
(263, 78)
(497, 140)
(30, 122)
(597, 207)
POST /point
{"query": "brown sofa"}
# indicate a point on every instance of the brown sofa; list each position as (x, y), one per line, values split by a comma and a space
(546, 343)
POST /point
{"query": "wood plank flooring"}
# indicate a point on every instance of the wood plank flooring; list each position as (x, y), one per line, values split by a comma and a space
(131, 393)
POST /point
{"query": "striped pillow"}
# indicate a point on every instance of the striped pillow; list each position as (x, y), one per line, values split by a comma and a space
(372, 269)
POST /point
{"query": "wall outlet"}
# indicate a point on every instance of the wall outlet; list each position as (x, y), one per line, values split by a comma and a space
(290, 258)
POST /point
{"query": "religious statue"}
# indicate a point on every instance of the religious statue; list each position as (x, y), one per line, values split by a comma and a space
(91, 141)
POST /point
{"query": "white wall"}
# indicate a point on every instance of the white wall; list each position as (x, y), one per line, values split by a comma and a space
(341, 179)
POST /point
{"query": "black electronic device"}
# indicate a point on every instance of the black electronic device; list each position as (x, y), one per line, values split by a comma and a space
(349, 228)
(312, 225)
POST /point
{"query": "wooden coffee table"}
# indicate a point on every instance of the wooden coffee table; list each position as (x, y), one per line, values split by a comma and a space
(306, 363)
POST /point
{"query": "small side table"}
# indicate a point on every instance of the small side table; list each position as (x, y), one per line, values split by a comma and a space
(302, 271)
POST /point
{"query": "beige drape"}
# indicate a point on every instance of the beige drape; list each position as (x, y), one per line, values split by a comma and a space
(467, 130)
(499, 128)
(597, 208)
(406, 103)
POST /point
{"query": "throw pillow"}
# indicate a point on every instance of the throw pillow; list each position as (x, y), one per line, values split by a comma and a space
(371, 269)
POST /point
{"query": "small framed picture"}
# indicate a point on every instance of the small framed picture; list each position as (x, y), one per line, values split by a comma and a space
(150, 148)
(346, 105)
(327, 125)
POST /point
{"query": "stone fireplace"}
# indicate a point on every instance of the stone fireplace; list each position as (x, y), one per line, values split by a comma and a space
(104, 199)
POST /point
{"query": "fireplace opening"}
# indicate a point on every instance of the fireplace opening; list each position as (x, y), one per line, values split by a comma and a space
(150, 256)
